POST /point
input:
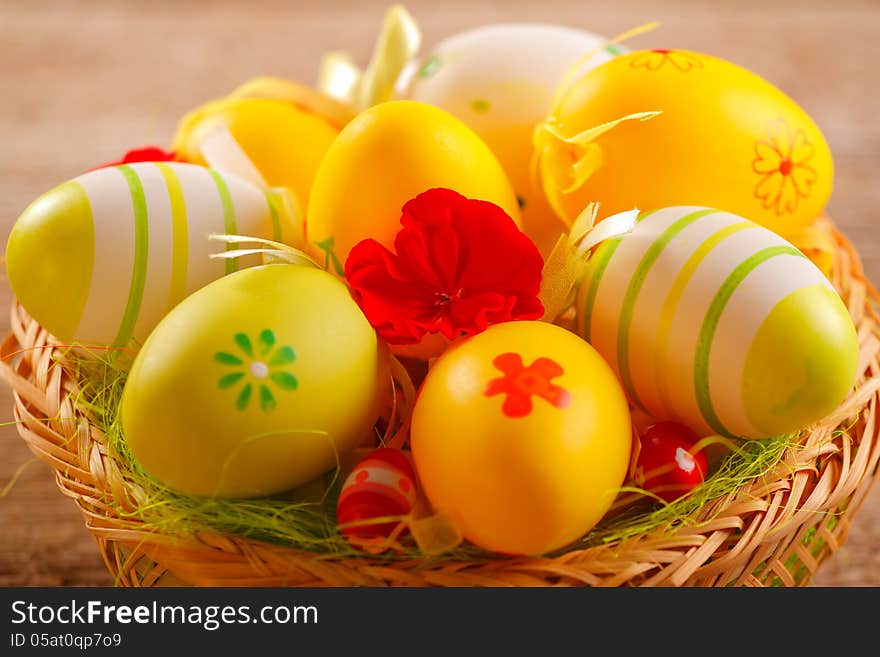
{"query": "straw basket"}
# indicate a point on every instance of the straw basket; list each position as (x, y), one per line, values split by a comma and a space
(774, 531)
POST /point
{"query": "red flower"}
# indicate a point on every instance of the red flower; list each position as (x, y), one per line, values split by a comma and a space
(143, 154)
(519, 383)
(460, 265)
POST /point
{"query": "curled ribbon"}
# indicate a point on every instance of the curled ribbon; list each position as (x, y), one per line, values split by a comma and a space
(565, 266)
(561, 163)
(817, 243)
(397, 44)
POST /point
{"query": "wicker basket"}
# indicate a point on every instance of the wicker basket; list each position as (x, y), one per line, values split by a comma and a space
(775, 531)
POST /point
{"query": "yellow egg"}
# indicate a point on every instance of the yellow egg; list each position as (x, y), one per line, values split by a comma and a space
(387, 155)
(255, 384)
(284, 138)
(500, 80)
(521, 435)
(306, 98)
(726, 138)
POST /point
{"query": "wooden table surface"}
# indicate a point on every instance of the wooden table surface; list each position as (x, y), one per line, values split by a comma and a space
(80, 82)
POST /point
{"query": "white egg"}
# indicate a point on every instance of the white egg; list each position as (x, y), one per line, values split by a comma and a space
(501, 80)
(714, 321)
(102, 258)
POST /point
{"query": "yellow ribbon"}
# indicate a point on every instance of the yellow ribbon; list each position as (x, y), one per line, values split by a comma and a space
(269, 250)
(817, 243)
(565, 266)
(398, 43)
(561, 163)
(435, 533)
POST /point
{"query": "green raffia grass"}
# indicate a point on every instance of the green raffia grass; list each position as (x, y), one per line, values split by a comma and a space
(751, 460)
(304, 519)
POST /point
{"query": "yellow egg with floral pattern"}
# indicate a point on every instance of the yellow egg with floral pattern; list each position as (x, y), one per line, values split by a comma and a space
(702, 131)
(521, 436)
(255, 384)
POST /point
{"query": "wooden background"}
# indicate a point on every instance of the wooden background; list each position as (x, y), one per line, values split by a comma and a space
(81, 82)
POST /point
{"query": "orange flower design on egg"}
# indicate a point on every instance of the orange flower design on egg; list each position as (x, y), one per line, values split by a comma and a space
(660, 57)
(520, 383)
(782, 161)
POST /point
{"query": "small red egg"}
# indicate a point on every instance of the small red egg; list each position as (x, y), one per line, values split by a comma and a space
(667, 464)
(382, 484)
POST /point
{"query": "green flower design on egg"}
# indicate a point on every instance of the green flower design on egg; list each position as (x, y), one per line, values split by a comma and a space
(259, 366)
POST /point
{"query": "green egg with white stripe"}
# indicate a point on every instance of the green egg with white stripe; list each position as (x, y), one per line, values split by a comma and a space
(100, 259)
(714, 321)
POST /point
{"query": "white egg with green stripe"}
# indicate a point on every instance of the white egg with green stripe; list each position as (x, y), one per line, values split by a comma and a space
(100, 259)
(714, 321)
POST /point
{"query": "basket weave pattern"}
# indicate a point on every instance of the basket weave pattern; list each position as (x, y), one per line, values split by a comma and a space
(775, 531)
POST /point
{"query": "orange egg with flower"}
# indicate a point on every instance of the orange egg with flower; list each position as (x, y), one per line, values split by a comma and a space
(696, 130)
(521, 436)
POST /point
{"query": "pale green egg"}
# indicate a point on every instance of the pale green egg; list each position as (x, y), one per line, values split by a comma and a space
(255, 384)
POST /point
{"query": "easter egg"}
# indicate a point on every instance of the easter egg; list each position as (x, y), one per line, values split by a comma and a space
(285, 140)
(500, 80)
(718, 323)
(307, 98)
(101, 258)
(386, 155)
(382, 485)
(669, 464)
(726, 138)
(255, 384)
(521, 435)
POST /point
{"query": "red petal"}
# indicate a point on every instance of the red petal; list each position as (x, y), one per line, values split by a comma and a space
(557, 396)
(143, 154)
(428, 249)
(473, 313)
(528, 308)
(509, 363)
(546, 368)
(500, 257)
(427, 203)
(401, 311)
(517, 405)
(497, 387)
(469, 251)
(149, 154)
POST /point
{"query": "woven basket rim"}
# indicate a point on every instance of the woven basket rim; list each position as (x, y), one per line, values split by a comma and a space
(776, 530)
